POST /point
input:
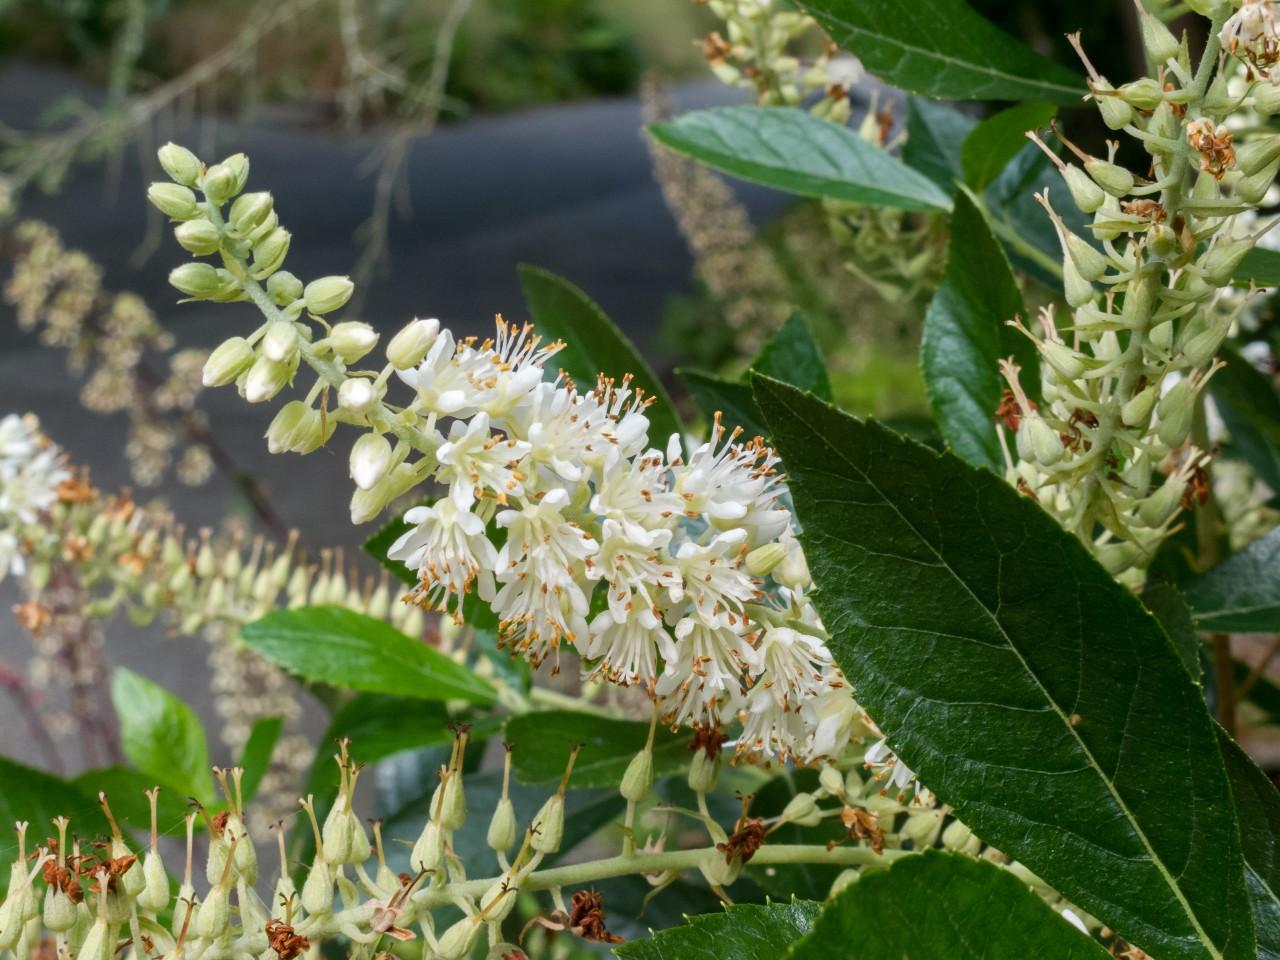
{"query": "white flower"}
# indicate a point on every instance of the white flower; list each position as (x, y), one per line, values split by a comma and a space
(31, 470)
(476, 460)
(634, 494)
(704, 676)
(450, 551)
(887, 767)
(735, 486)
(714, 579)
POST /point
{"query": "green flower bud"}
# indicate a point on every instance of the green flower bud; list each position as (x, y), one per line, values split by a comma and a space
(280, 342)
(317, 890)
(283, 287)
(457, 940)
(287, 429)
(219, 184)
(1088, 196)
(1202, 347)
(1257, 154)
(249, 212)
(1144, 93)
(1062, 358)
(1115, 558)
(1160, 337)
(638, 778)
(1175, 411)
(264, 379)
(762, 560)
(269, 253)
(229, 359)
(197, 280)
(316, 434)
(179, 163)
(502, 833)
(408, 347)
(1038, 442)
(1162, 242)
(550, 825)
(351, 339)
(238, 164)
(357, 396)
(1111, 177)
(1266, 98)
(831, 780)
(328, 294)
(1137, 409)
(173, 200)
(922, 828)
(1253, 189)
(198, 236)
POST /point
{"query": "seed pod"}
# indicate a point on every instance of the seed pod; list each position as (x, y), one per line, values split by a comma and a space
(1175, 411)
(317, 890)
(499, 900)
(59, 913)
(228, 360)
(1160, 337)
(457, 940)
(1142, 94)
(1086, 194)
(1077, 289)
(1223, 258)
(802, 809)
(1137, 409)
(1266, 98)
(214, 916)
(1253, 189)
(1062, 358)
(337, 834)
(502, 826)
(703, 771)
(1115, 112)
(155, 893)
(550, 824)
(1161, 506)
(428, 852)
(1116, 558)
(638, 778)
(1089, 260)
(1257, 154)
(1202, 347)
(1111, 177)
(179, 163)
(1157, 39)
(1038, 442)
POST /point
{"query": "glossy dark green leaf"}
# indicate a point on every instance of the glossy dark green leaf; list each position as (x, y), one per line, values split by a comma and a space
(935, 137)
(594, 344)
(748, 931)
(1261, 267)
(378, 545)
(792, 150)
(1258, 811)
(542, 741)
(1250, 408)
(1242, 593)
(1010, 203)
(1022, 683)
(1263, 694)
(1166, 603)
(255, 758)
(966, 334)
(731, 399)
(793, 356)
(37, 797)
(162, 736)
(126, 790)
(944, 906)
(998, 139)
(943, 49)
(339, 647)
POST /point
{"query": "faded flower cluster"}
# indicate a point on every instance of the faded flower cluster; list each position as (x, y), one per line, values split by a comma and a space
(31, 471)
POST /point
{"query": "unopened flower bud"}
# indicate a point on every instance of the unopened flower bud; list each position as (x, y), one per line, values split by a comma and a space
(959, 837)
(802, 810)
(371, 457)
(249, 211)
(179, 163)
(352, 339)
(1266, 97)
(198, 280)
(502, 833)
(198, 236)
(269, 253)
(703, 771)
(638, 778)
(922, 828)
(762, 560)
(265, 379)
(238, 164)
(173, 200)
(280, 342)
(831, 780)
(1162, 242)
(793, 571)
(228, 360)
(283, 287)
(328, 294)
(410, 345)
(219, 184)
(288, 427)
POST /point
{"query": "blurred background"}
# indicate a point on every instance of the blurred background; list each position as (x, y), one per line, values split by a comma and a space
(426, 148)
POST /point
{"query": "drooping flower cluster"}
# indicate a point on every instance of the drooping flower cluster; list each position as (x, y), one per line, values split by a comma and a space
(555, 495)
(31, 470)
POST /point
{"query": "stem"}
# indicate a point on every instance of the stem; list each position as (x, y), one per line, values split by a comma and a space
(580, 873)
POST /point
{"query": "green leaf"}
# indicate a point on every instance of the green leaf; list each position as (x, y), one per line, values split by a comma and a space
(349, 650)
(789, 149)
(998, 139)
(935, 135)
(255, 757)
(162, 736)
(748, 931)
(1261, 267)
(965, 334)
(1262, 693)
(1258, 811)
(1250, 408)
(942, 49)
(594, 344)
(730, 398)
(1010, 202)
(793, 356)
(542, 742)
(378, 545)
(943, 906)
(129, 804)
(1020, 681)
(1242, 593)
(1166, 603)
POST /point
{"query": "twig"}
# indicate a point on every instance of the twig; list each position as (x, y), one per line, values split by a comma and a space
(28, 702)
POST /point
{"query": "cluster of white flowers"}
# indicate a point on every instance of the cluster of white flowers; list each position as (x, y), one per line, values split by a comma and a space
(553, 492)
(31, 469)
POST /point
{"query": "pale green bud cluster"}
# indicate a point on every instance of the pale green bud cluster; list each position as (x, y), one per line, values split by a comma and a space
(1109, 447)
(393, 453)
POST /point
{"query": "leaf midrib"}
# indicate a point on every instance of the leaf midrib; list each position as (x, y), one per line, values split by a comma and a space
(1124, 807)
(963, 64)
